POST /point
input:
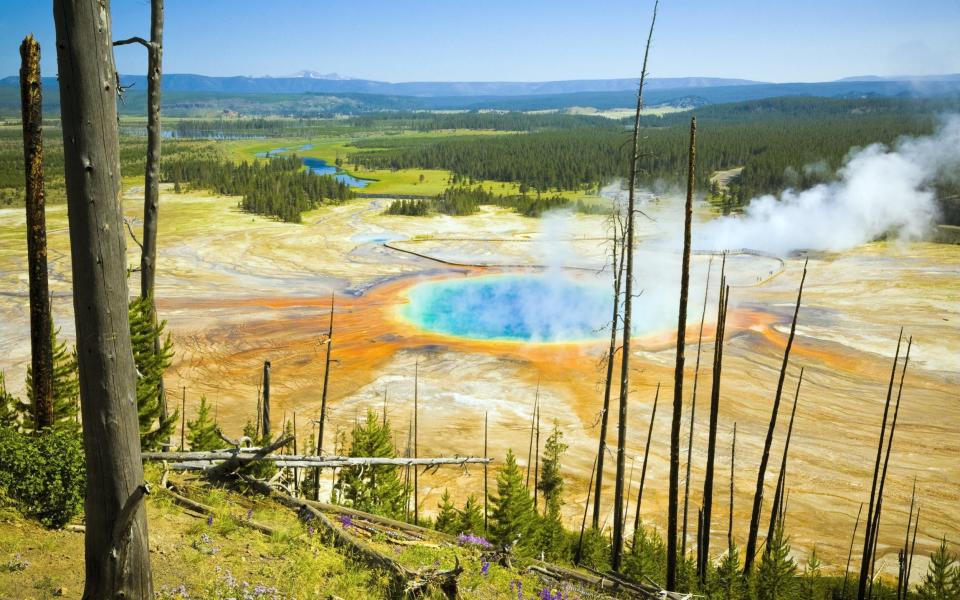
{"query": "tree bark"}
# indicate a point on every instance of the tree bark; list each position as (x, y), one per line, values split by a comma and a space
(41, 321)
(323, 403)
(733, 470)
(117, 560)
(765, 458)
(693, 415)
(783, 467)
(846, 572)
(617, 546)
(703, 549)
(151, 187)
(643, 469)
(266, 399)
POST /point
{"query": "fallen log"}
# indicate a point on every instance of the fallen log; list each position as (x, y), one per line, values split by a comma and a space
(206, 510)
(238, 460)
(290, 460)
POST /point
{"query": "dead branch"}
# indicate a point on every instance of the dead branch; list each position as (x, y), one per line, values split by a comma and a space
(239, 460)
(134, 40)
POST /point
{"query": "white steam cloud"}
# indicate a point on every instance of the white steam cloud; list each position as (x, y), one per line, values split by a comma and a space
(879, 191)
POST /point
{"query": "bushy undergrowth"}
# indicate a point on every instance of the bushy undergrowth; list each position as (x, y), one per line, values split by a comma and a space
(43, 473)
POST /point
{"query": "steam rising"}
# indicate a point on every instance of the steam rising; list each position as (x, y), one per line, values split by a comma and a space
(879, 191)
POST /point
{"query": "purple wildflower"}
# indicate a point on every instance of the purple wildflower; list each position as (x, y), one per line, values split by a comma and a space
(249, 514)
(345, 521)
(485, 568)
(310, 530)
(210, 520)
(465, 539)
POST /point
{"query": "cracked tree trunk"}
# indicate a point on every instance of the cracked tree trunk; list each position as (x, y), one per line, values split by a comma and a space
(41, 323)
(117, 560)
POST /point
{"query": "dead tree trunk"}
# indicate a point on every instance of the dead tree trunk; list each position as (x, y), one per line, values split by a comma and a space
(536, 462)
(693, 415)
(611, 355)
(875, 526)
(867, 542)
(323, 403)
(41, 321)
(913, 547)
(643, 469)
(781, 478)
(416, 415)
(533, 426)
(678, 370)
(901, 592)
(703, 548)
(486, 476)
(116, 550)
(583, 524)
(266, 400)
(733, 463)
(846, 572)
(617, 548)
(765, 458)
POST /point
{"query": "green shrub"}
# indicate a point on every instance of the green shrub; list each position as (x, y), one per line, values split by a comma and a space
(43, 473)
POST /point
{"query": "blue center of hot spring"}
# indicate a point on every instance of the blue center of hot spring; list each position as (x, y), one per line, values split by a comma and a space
(536, 308)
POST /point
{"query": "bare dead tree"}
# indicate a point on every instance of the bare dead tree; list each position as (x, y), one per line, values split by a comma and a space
(116, 549)
(486, 476)
(678, 371)
(323, 401)
(183, 420)
(266, 399)
(536, 461)
(765, 458)
(151, 183)
(617, 269)
(733, 462)
(693, 414)
(583, 523)
(41, 320)
(867, 540)
(416, 413)
(643, 469)
(617, 547)
(875, 526)
(703, 548)
(913, 548)
(533, 426)
(846, 572)
(781, 478)
(903, 554)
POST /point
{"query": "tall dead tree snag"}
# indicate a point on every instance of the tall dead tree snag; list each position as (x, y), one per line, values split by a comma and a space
(678, 369)
(151, 182)
(323, 403)
(781, 478)
(618, 498)
(41, 344)
(765, 458)
(265, 409)
(116, 550)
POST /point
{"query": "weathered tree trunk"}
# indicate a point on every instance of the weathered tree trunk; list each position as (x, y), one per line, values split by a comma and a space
(266, 399)
(611, 356)
(583, 523)
(875, 526)
(783, 466)
(765, 458)
(846, 572)
(116, 550)
(703, 549)
(486, 476)
(533, 426)
(693, 415)
(643, 469)
(867, 542)
(913, 548)
(617, 547)
(901, 593)
(733, 469)
(536, 462)
(323, 403)
(674, 499)
(416, 414)
(41, 321)
(151, 187)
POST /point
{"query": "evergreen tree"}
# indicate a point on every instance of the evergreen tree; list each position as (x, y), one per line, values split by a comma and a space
(447, 521)
(775, 577)
(151, 364)
(647, 556)
(595, 550)
(10, 407)
(811, 583)
(729, 579)
(512, 514)
(942, 581)
(552, 539)
(470, 518)
(375, 489)
(202, 431)
(66, 388)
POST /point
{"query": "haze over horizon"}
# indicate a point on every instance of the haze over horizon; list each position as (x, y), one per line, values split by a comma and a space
(436, 42)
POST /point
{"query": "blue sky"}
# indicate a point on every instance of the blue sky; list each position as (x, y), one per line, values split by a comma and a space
(518, 40)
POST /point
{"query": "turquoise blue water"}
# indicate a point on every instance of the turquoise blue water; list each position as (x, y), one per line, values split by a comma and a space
(321, 167)
(535, 308)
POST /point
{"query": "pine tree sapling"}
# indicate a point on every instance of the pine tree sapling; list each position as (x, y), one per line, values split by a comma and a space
(512, 517)
(775, 577)
(447, 517)
(66, 386)
(376, 489)
(942, 581)
(470, 517)
(202, 431)
(152, 354)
